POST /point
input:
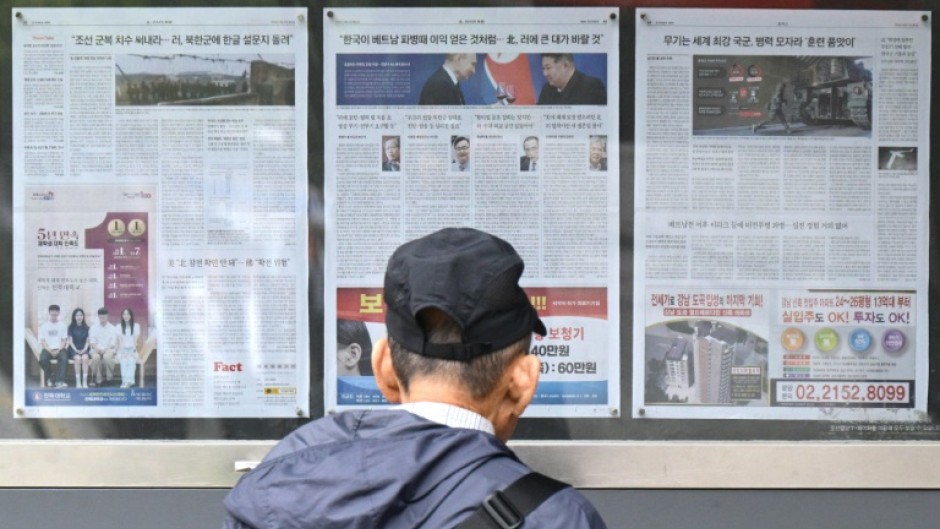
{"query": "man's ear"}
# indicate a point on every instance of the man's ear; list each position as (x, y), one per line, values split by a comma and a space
(384, 371)
(514, 394)
(524, 378)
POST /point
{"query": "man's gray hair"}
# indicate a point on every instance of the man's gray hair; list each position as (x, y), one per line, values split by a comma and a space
(478, 377)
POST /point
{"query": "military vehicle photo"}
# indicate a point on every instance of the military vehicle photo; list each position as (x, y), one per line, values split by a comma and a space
(782, 95)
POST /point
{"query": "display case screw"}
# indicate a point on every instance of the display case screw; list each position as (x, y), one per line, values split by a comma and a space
(642, 411)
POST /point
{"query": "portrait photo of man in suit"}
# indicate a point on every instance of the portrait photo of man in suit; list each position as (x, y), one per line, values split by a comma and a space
(565, 85)
(443, 86)
(597, 153)
(391, 150)
(460, 162)
(529, 162)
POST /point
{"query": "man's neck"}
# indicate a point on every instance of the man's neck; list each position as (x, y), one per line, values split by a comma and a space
(449, 415)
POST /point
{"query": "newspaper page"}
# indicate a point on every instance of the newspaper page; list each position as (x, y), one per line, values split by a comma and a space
(452, 117)
(159, 206)
(781, 214)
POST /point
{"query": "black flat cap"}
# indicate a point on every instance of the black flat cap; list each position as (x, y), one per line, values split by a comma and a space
(471, 276)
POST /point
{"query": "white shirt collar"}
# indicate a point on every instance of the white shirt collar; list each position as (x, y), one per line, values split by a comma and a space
(449, 415)
(453, 76)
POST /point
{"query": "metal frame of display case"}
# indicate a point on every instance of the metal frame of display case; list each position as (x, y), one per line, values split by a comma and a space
(653, 464)
(584, 464)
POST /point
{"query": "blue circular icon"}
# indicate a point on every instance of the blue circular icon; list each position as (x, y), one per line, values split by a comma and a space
(860, 340)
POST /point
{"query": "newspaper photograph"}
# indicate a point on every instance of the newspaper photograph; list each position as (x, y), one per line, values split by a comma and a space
(160, 198)
(453, 118)
(781, 218)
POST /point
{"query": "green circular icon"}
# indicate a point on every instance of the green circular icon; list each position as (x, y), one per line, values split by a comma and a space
(826, 339)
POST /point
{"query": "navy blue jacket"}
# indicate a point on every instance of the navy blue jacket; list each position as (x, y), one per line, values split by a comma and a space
(387, 469)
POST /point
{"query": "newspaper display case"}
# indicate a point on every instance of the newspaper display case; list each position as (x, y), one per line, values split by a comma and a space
(643, 440)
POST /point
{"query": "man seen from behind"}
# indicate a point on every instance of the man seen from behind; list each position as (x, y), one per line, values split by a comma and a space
(456, 365)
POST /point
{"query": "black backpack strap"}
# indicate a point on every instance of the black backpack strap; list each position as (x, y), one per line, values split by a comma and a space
(507, 508)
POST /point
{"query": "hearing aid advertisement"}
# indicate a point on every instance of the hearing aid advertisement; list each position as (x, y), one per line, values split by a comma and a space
(433, 122)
